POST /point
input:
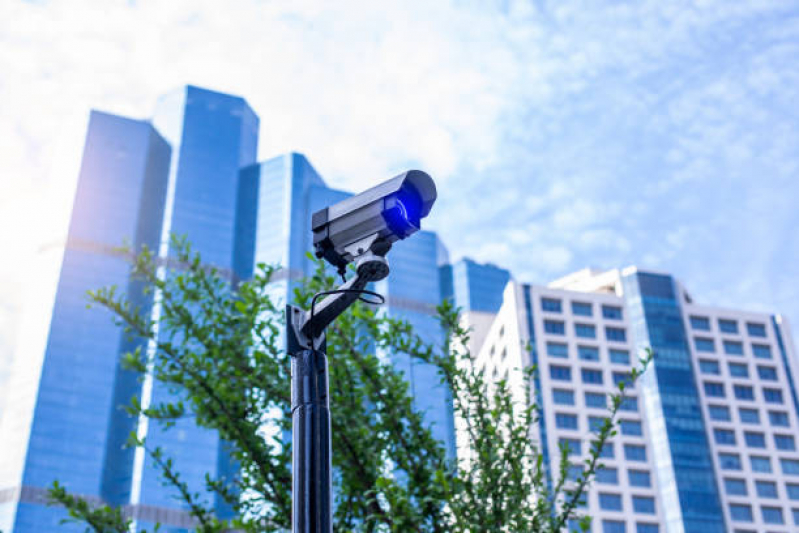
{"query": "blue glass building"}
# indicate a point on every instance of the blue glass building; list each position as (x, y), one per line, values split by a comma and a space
(61, 422)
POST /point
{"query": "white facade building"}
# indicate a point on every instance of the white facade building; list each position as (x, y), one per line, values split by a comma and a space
(707, 437)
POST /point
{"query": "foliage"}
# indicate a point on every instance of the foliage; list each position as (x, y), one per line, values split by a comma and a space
(215, 348)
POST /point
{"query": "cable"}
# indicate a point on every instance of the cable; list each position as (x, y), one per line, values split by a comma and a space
(380, 298)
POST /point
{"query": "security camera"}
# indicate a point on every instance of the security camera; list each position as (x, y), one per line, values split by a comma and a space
(370, 222)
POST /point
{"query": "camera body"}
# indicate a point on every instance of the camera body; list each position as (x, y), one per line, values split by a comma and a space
(374, 219)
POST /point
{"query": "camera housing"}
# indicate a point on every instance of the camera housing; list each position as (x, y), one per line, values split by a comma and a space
(374, 219)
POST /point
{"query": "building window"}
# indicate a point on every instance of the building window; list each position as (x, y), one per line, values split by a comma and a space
(613, 526)
(790, 466)
(756, 330)
(588, 353)
(762, 351)
(700, 323)
(591, 376)
(574, 472)
(795, 513)
(615, 334)
(713, 389)
(595, 399)
(607, 476)
(595, 423)
(766, 489)
(585, 331)
(740, 512)
(728, 326)
(760, 464)
(570, 446)
(557, 349)
(755, 439)
(719, 412)
(724, 436)
(793, 490)
(646, 528)
(709, 367)
(611, 312)
(554, 327)
(565, 421)
(607, 451)
(550, 304)
(733, 348)
(704, 345)
(744, 392)
(778, 418)
(639, 478)
(560, 373)
(619, 377)
(562, 397)
(772, 515)
(735, 487)
(644, 504)
(772, 395)
(610, 502)
(581, 309)
(620, 357)
(634, 452)
(631, 427)
(749, 416)
(767, 373)
(729, 461)
(629, 403)
(739, 370)
(784, 442)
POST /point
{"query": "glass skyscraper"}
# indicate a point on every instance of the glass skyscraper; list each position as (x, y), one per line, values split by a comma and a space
(707, 437)
(191, 171)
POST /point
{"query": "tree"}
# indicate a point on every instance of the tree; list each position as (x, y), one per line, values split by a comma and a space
(216, 346)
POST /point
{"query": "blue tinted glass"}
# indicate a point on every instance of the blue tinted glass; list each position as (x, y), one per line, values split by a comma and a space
(729, 461)
(563, 397)
(555, 327)
(646, 528)
(621, 357)
(586, 331)
(767, 373)
(709, 367)
(640, 478)
(612, 312)
(793, 490)
(766, 489)
(700, 323)
(644, 504)
(719, 412)
(772, 395)
(560, 373)
(756, 330)
(754, 439)
(571, 446)
(631, 427)
(557, 349)
(763, 351)
(551, 305)
(574, 472)
(615, 334)
(739, 370)
(772, 515)
(778, 418)
(588, 353)
(744, 392)
(609, 476)
(735, 487)
(749, 416)
(565, 421)
(760, 464)
(633, 452)
(740, 512)
(591, 376)
(610, 502)
(607, 451)
(790, 466)
(613, 526)
(595, 399)
(704, 345)
(581, 309)
(728, 326)
(619, 377)
(784, 442)
(715, 390)
(595, 423)
(724, 436)
(733, 348)
(629, 403)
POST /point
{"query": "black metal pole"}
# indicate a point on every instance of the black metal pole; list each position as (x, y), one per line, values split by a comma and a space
(310, 413)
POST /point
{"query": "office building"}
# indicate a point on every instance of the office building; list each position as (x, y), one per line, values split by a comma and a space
(707, 437)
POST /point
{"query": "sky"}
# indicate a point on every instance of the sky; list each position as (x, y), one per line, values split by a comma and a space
(561, 134)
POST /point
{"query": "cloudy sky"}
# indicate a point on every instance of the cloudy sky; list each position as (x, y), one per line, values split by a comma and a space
(562, 134)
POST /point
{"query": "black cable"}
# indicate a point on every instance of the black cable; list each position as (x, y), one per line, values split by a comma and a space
(380, 298)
